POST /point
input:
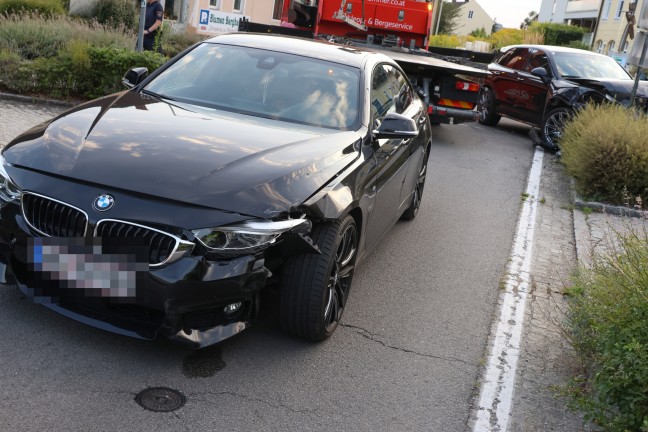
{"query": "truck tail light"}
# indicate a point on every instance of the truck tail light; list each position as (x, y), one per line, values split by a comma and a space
(468, 86)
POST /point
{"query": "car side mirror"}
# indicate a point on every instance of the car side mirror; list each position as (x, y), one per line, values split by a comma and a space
(134, 76)
(396, 126)
(541, 73)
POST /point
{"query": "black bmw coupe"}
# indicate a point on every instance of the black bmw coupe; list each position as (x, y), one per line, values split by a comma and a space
(246, 161)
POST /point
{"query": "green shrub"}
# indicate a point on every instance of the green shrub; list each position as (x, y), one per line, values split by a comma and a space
(80, 72)
(24, 34)
(607, 321)
(35, 36)
(558, 34)
(579, 45)
(113, 64)
(605, 149)
(42, 7)
(174, 43)
(119, 14)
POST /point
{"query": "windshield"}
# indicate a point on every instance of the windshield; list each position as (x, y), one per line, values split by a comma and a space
(264, 83)
(585, 65)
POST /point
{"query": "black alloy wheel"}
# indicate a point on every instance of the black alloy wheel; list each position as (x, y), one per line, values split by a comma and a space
(314, 288)
(553, 126)
(417, 197)
(486, 108)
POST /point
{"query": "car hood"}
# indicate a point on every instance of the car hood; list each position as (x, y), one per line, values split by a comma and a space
(227, 161)
(618, 89)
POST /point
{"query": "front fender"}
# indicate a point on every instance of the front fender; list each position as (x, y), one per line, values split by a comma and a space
(576, 98)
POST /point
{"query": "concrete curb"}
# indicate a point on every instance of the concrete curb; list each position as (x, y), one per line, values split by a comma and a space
(605, 208)
(37, 100)
(582, 238)
(584, 231)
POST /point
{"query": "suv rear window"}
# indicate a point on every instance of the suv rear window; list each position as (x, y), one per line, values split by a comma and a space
(515, 59)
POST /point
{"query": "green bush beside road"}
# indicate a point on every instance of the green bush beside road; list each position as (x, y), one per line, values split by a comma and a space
(47, 8)
(64, 57)
(606, 151)
(607, 326)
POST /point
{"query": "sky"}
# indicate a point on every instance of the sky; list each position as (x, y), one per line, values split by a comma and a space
(509, 13)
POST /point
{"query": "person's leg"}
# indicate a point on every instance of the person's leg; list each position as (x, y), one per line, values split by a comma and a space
(148, 43)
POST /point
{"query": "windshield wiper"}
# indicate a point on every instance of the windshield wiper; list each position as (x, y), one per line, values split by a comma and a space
(157, 95)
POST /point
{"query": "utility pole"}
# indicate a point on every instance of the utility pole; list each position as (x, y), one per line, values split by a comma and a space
(436, 30)
(140, 31)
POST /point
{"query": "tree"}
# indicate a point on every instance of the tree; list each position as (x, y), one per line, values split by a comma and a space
(449, 15)
(533, 16)
(479, 33)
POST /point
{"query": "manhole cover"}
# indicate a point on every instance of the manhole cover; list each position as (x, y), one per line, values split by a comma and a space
(160, 399)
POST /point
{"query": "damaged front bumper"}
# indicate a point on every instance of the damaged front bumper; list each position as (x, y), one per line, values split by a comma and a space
(194, 300)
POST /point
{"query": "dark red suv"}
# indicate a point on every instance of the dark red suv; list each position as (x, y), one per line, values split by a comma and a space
(542, 85)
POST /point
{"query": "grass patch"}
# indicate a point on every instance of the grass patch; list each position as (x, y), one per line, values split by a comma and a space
(606, 323)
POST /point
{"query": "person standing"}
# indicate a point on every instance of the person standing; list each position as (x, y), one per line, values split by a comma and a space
(152, 23)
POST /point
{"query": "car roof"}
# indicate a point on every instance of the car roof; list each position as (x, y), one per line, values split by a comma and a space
(349, 55)
(552, 48)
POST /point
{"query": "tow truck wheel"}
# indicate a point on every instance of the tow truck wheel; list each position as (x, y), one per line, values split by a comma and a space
(486, 108)
(314, 287)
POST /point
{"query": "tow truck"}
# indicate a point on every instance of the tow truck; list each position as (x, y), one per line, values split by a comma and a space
(398, 28)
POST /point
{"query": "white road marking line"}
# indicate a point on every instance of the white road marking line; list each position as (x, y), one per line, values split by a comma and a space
(494, 407)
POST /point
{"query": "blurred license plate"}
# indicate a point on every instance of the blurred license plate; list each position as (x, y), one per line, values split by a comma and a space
(92, 267)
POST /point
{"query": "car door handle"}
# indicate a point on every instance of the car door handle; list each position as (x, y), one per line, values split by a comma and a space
(421, 120)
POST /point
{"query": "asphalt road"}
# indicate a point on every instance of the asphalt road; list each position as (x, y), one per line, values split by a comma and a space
(407, 357)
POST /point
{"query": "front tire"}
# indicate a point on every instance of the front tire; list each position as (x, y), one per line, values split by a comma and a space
(486, 108)
(314, 288)
(553, 126)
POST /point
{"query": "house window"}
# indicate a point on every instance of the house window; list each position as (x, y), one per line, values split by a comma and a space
(610, 47)
(215, 3)
(620, 10)
(606, 10)
(599, 46)
(239, 5)
(470, 14)
(278, 8)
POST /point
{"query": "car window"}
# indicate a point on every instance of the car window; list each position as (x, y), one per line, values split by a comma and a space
(516, 59)
(538, 59)
(264, 83)
(586, 65)
(390, 91)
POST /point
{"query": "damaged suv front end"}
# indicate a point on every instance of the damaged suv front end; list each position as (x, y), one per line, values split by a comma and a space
(544, 85)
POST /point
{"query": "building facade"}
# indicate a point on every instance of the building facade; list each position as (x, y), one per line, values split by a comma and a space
(472, 17)
(220, 16)
(606, 19)
(611, 28)
(583, 13)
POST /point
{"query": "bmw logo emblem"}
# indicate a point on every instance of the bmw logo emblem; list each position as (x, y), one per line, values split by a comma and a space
(103, 202)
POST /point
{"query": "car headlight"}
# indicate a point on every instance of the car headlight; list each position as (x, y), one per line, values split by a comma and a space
(247, 237)
(8, 189)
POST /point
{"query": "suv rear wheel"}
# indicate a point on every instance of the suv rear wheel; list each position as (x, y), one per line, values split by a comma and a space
(486, 108)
